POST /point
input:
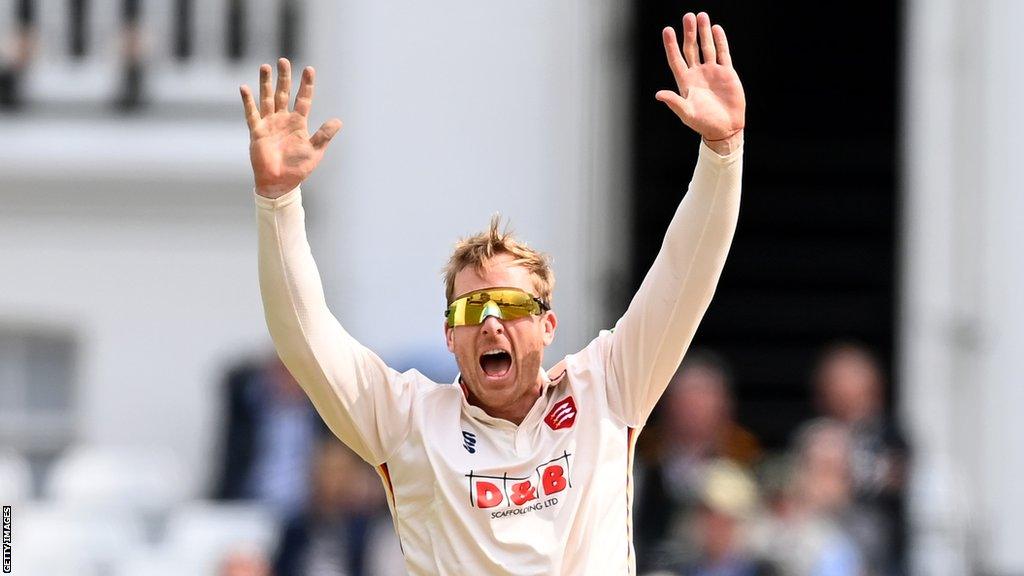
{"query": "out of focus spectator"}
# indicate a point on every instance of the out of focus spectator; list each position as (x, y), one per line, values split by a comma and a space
(728, 503)
(695, 428)
(270, 433)
(345, 529)
(16, 53)
(849, 387)
(806, 534)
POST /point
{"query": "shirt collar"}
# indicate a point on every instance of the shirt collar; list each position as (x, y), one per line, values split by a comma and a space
(478, 413)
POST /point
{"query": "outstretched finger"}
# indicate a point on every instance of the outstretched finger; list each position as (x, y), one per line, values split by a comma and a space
(284, 85)
(266, 91)
(675, 59)
(690, 39)
(252, 114)
(707, 44)
(304, 98)
(323, 136)
(721, 45)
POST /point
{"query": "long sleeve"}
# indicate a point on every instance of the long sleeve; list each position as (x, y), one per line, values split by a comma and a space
(650, 339)
(363, 401)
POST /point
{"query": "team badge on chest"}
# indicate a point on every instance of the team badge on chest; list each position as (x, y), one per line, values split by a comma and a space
(562, 414)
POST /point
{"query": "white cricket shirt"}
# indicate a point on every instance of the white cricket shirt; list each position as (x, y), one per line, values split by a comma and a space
(475, 495)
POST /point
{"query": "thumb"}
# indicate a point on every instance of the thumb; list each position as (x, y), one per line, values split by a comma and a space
(323, 136)
(677, 103)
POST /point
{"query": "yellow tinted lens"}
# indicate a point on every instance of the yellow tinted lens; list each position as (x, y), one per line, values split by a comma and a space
(502, 303)
(457, 313)
(511, 298)
(463, 312)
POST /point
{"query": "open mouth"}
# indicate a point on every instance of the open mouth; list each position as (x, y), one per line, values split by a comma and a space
(496, 363)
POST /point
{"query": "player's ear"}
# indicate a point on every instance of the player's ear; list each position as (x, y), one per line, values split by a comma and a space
(548, 323)
(449, 337)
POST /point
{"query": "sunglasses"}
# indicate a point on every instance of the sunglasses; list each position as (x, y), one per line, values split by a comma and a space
(503, 303)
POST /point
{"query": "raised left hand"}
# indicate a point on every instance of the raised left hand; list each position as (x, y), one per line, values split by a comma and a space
(710, 98)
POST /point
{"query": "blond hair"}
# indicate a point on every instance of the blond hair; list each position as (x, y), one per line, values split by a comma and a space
(479, 248)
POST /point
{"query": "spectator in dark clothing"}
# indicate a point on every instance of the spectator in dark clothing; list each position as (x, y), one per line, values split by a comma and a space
(345, 530)
(271, 430)
(849, 388)
(695, 427)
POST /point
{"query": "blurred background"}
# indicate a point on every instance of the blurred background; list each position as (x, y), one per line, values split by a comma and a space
(850, 402)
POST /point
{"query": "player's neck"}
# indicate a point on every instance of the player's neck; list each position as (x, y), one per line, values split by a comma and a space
(514, 412)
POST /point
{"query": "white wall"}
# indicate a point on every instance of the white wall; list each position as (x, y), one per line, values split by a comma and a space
(962, 319)
(153, 273)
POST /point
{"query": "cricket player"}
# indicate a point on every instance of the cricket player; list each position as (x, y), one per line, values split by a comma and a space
(511, 469)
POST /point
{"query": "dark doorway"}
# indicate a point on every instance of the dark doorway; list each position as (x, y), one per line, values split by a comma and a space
(814, 255)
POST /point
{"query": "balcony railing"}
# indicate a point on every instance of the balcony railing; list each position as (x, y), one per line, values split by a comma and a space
(128, 55)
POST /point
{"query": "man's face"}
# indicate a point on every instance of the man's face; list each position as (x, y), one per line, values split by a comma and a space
(698, 406)
(823, 476)
(505, 385)
(849, 385)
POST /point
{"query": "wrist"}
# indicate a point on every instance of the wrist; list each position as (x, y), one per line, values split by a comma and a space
(273, 203)
(727, 145)
(272, 192)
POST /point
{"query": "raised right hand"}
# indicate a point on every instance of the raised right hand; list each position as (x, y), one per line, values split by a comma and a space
(282, 152)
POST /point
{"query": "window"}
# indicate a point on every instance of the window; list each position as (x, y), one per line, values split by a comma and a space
(37, 372)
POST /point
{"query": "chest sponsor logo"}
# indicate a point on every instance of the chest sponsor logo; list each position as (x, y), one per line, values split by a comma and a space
(526, 493)
(562, 414)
